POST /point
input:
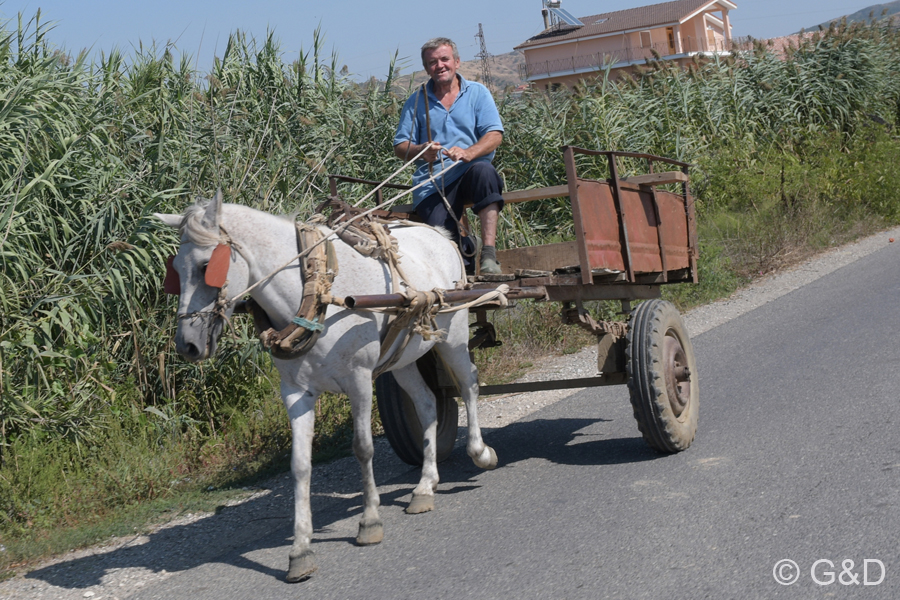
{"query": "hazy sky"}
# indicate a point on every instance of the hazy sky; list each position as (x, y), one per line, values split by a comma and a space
(364, 33)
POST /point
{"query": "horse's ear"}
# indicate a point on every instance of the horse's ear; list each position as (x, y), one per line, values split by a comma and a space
(212, 216)
(170, 220)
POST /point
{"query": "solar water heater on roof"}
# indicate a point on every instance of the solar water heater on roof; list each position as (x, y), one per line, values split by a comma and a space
(566, 17)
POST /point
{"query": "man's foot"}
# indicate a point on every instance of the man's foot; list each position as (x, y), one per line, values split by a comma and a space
(489, 266)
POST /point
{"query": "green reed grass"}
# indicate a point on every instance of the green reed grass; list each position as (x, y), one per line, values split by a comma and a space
(791, 154)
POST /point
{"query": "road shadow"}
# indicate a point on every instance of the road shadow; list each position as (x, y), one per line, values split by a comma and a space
(266, 521)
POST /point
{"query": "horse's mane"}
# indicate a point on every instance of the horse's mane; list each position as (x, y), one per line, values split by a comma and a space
(192, 226)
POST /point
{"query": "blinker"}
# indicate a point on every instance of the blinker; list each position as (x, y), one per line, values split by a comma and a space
(172, 283)
(217, 268)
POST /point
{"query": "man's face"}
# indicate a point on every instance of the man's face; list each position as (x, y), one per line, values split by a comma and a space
(440, 64)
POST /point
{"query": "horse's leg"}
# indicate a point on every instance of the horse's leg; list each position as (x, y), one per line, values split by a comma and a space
(411, 381)
(456, 358)
(359, 389)
(300, 405)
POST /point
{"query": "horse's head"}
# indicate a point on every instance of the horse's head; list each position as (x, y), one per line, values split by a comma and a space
(203, 272)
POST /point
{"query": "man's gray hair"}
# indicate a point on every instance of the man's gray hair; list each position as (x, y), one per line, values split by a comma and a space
(435, 43)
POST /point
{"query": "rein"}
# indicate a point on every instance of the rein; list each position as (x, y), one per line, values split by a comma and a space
(344, 225)
(369, 236)
(463, 231)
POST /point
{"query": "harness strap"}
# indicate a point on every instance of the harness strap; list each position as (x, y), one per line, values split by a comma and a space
(319, 269)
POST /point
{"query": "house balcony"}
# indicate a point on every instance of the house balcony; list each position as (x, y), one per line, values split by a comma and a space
(615, 59)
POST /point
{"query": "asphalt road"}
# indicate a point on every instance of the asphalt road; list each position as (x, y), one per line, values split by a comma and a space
(797, 457)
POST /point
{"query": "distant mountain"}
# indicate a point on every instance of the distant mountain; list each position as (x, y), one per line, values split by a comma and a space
(866, 15)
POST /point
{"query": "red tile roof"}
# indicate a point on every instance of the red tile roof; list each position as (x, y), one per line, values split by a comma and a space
(643, 17)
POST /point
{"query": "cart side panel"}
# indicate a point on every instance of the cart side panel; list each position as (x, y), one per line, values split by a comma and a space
(675, 233)
(642, 230)
(602, 234)
(600, 223)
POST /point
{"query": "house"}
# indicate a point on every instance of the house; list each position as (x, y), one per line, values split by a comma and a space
(570, 49)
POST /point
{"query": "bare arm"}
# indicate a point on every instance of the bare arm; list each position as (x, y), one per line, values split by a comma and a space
(487, 144)
(406, 150)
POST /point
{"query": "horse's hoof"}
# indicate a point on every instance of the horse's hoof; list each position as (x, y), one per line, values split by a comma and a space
(486, 462)
(301, 567)
(370, 532)
(420, 503)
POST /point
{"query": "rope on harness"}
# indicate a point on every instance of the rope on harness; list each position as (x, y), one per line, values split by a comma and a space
(370, 237)
(303, 253)
(418, 317)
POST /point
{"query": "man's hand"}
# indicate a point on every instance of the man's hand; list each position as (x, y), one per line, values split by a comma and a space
(487, 144)
(407, 150)
(432, 153)
(456, 153)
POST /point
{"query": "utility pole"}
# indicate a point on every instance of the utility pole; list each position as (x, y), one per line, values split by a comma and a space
(485, 61)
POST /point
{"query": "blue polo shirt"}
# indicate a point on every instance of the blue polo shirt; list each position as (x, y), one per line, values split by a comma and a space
(471, 116)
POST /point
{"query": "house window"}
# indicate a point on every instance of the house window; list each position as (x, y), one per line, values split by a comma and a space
(645, 39)
(711, 38)
(670, 36)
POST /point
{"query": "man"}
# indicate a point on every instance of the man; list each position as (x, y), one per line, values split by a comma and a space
(462, 121)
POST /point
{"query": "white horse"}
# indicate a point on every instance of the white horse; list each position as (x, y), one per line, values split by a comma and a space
(345, 355)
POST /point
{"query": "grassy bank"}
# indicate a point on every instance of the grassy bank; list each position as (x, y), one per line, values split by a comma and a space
(103, 426)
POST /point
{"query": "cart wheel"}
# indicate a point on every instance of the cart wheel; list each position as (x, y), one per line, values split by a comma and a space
(401, 423)
(662, 377)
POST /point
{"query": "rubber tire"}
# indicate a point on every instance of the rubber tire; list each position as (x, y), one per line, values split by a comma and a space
(665, 432)
(401, 423)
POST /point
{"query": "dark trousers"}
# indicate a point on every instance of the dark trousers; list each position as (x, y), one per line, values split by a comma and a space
(481, 186)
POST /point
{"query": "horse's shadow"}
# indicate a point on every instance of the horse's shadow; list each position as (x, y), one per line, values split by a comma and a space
(266, 521)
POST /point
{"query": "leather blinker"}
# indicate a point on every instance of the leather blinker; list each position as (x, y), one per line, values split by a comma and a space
(172, 283)
(217, 268)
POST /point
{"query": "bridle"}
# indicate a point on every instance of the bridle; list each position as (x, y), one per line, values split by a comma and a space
(317, 271)
(216, 276)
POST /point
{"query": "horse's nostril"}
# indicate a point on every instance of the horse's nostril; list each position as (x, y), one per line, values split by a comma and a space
(188, 350)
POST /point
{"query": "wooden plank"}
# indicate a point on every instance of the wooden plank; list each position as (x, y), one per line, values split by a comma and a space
(556, 191)
(538, 258)
(656, 178)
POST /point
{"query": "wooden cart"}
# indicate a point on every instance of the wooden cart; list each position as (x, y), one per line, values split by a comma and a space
(630, 239)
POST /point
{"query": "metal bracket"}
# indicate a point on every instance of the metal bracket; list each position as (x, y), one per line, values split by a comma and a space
(611, 337)
(485, 335)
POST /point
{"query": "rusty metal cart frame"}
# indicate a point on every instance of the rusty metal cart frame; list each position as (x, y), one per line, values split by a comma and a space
(630, 239)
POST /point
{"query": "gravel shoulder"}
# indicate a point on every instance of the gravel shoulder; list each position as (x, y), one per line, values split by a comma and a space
(123, 566)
